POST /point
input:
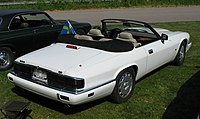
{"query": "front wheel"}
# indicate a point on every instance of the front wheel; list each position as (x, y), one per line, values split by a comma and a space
(179, 59)
(6, 58)
(124, 87)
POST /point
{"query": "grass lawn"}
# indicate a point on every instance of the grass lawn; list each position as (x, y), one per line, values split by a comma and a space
(88, 4)
(151, 96)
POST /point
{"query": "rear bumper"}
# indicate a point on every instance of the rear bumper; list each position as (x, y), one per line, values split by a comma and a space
(62, 96)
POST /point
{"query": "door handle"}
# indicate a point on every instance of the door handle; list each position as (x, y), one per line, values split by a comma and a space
(150, 51)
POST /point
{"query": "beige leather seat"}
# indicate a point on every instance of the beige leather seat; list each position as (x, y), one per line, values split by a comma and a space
(126, 36)
(95, 32)
(105, 39)
(24, 25)
(83, 37)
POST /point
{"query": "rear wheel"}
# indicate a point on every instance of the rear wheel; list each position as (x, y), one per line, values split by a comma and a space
(124, 87)
(179, 59)
(6, 58)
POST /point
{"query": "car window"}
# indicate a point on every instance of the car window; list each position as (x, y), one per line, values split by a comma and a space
(15, 23)
(29, 21)
(35, 20)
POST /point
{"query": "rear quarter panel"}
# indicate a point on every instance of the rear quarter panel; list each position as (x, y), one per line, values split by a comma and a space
(103, 72)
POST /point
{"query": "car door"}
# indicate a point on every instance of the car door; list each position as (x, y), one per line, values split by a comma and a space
(45, 35)
(158, 53)
(45, 31)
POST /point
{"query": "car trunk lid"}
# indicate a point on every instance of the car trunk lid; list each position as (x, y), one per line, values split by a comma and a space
(59, 57)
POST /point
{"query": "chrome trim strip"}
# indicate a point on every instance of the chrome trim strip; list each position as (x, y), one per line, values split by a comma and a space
(83, 91)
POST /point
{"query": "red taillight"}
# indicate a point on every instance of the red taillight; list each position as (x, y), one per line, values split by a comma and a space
(72, 47)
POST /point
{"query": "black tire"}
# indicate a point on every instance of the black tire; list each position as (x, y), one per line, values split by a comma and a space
(125, 83)
(180, 57)
(6, 58)
(80, 31)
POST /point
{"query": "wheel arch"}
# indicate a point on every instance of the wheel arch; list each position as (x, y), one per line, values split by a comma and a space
(13, 49)
(186, 41)
(183, 40)
(180, 37)
(176, 61)
(133, 66)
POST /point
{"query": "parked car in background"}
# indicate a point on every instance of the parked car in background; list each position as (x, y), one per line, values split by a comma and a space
(102, 63)
(22, 31)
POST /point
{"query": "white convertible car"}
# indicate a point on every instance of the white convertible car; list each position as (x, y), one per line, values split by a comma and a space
(104, 62)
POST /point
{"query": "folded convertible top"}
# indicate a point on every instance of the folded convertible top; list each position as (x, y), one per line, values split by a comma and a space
(111, 46)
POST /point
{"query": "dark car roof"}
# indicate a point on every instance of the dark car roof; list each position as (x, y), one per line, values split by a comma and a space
(16, 11)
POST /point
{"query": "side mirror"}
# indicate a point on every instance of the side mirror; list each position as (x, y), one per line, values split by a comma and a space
(163, 37)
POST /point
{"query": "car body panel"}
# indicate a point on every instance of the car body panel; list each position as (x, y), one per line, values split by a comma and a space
(61, 54)
(155, 53)
(98, 67)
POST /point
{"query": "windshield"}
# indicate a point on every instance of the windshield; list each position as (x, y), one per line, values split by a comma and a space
(112, 27)
(126, 26)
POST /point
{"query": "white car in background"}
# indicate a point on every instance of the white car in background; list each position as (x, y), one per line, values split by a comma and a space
(105, 62)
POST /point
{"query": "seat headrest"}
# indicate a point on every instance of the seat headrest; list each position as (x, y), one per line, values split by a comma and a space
(83, 37)
(126, 36)
(95, 32)
(105, 39)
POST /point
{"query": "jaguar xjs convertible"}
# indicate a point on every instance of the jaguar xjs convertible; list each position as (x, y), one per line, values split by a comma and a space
(23, 31)
(105, 62)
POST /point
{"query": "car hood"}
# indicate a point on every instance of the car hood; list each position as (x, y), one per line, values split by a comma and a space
(167, 32)
(58, 58)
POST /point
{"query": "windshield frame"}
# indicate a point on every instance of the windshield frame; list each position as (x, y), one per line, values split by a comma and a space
(105, 22)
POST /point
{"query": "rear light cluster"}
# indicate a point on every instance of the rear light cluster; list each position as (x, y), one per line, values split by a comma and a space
(72, 46)
(54, 80)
